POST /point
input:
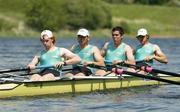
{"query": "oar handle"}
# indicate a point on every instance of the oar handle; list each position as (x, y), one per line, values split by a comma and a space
(146, 67)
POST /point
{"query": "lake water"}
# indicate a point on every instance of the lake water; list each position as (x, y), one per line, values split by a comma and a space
(166, 98)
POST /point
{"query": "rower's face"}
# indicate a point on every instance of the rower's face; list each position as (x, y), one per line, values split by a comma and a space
(117, 37)
(142, 39)
(82, 40)
(47, 42)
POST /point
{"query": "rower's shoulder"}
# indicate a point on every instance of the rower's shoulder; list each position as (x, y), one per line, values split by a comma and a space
(62, 49)
(106, 44)
(155, 46)
(127, 46)
(94, 47)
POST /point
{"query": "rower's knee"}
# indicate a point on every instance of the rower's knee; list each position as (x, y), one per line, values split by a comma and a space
(68, 75)
(47, 77)
(35, 77)
(100, 72)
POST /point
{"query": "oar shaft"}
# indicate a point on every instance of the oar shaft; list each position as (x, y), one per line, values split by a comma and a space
(23, 69)
(151, 77)
(166, 72)
(141, 75)
(14, 70)
(152, 70)
(99, 67)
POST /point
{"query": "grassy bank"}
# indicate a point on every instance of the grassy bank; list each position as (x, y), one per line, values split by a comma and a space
(161, 21)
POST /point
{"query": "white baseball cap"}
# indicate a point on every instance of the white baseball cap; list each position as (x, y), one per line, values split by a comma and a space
(83, 32)
(142, 32)
(48, 34)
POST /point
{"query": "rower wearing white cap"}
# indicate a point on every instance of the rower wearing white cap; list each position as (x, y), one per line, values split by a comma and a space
(51, 55)
(147, 51)
(89, 54)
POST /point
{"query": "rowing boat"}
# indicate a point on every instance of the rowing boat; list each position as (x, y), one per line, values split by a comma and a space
(76, 84)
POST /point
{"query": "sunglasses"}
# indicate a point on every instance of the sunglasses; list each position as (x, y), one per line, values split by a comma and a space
(45, 40)
(140, 37)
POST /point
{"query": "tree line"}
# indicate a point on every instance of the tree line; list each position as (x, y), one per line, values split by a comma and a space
(67, 14)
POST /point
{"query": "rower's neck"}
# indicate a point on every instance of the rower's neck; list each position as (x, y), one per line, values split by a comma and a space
(146, 43)
(50, 48)
(117, 45)
(83, 46)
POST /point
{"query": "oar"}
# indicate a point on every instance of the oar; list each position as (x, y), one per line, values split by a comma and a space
(151, 77)
(23, 69)
(15, 75)
(147, 68)
(121, 71)
(150, 69)
(7, 72)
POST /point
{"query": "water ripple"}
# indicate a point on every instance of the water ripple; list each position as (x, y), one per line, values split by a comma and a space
(18, 52)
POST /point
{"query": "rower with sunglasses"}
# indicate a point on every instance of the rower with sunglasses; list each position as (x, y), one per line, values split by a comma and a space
(146, 52)
(89, 54)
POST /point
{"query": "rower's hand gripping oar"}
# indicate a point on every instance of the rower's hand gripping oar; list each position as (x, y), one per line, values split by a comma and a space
(23, 69)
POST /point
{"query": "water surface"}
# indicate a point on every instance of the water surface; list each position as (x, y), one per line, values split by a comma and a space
(19, 52)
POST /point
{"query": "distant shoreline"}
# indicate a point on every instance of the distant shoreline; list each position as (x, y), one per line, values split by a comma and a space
(101, 33)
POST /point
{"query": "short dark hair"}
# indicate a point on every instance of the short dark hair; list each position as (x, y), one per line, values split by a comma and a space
(118, 28)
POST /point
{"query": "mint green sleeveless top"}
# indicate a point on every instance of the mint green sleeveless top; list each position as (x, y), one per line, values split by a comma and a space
(142, 51)
(50, 57)
(85, 54)
(113, 53)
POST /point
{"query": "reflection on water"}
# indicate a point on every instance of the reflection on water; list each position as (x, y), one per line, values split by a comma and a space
(18, 52)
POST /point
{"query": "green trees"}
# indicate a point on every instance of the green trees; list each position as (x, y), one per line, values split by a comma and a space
(44, 14)
(56, 14)
(92, 14)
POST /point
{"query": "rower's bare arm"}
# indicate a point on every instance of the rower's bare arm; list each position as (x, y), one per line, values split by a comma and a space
(103, 50)
(34, 62)
(129, 54)
(99, 60)
(71, 57)
(159, 55)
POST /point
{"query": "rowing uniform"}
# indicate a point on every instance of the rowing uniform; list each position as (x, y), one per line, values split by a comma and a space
(50, 58)
(142, 51)
(86, 54)
(113, 53)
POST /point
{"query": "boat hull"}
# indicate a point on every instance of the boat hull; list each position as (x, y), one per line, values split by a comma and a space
(12, 89)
